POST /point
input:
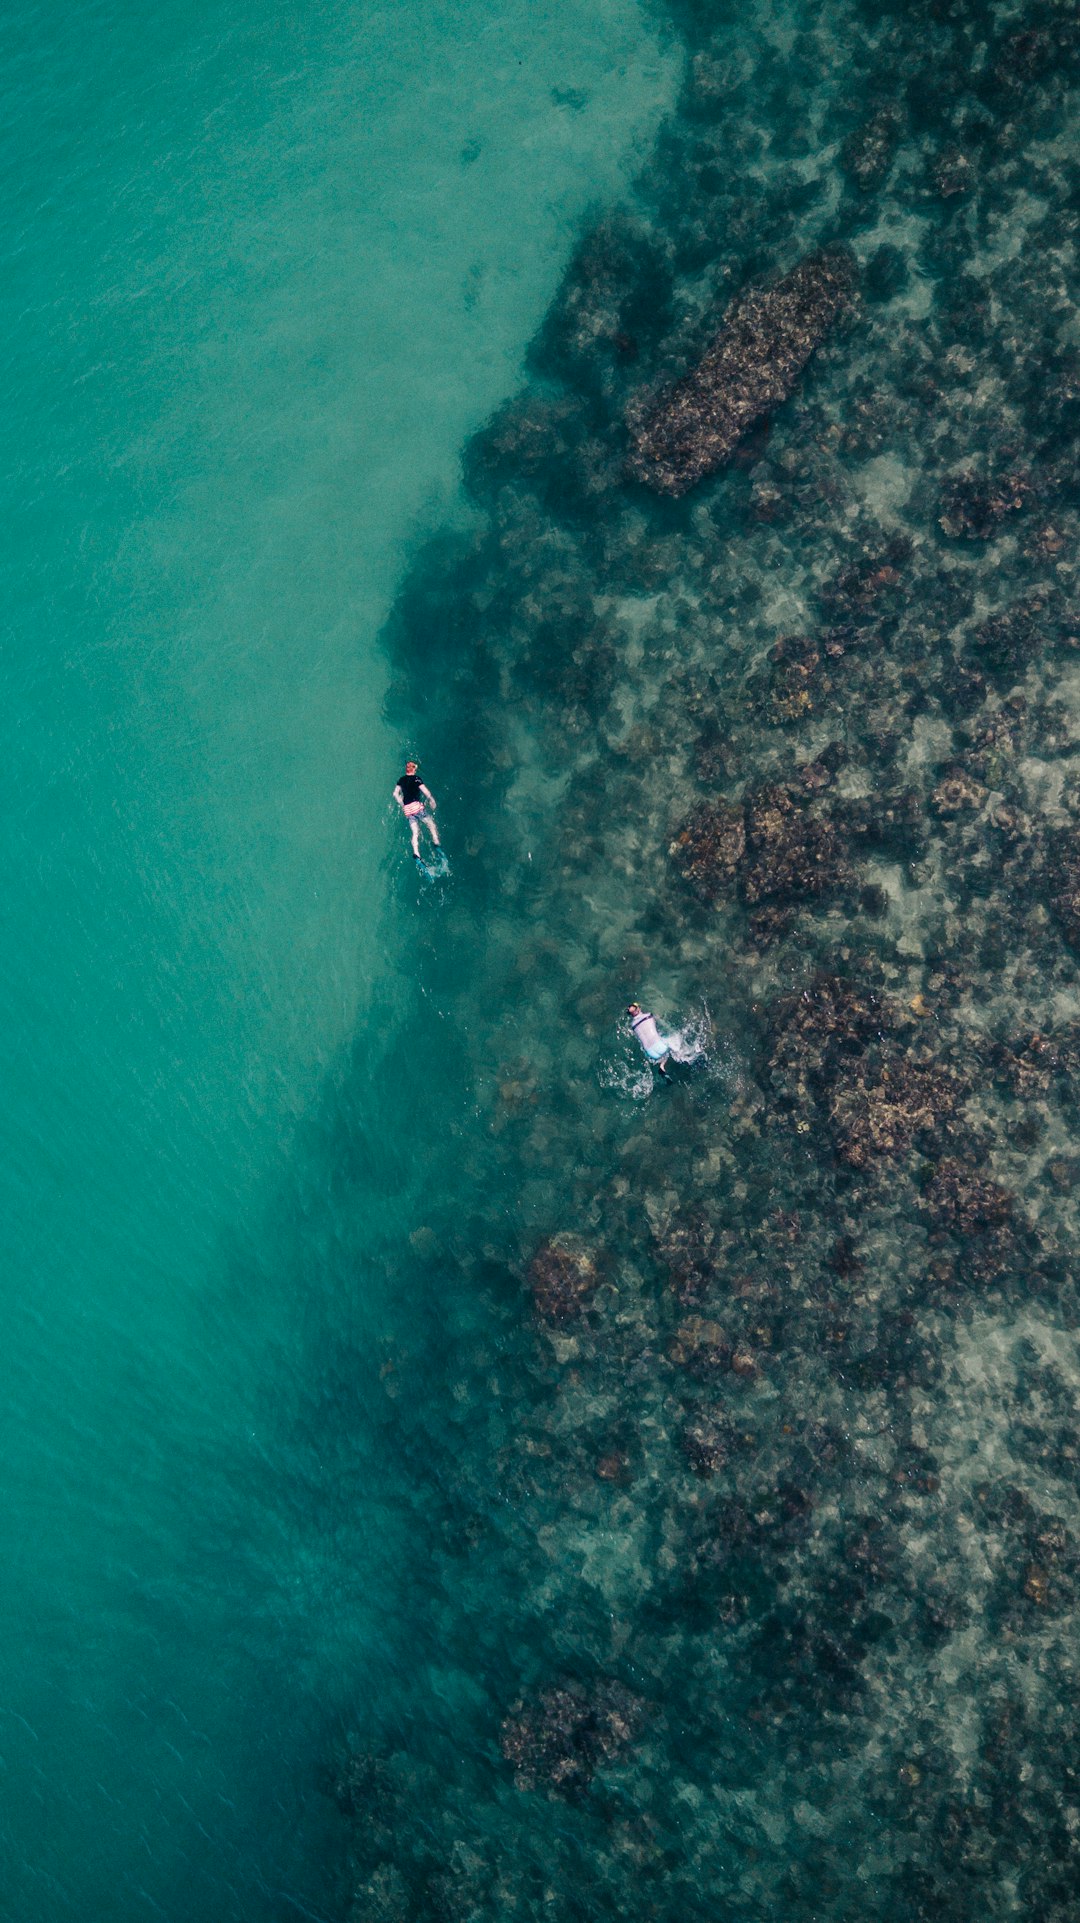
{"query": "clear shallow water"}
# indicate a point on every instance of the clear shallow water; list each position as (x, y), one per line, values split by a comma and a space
(262, 276)
(505, 1486)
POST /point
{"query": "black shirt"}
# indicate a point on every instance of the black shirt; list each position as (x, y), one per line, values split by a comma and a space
(412, 789)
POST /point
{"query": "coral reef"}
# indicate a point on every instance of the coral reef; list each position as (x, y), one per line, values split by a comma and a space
(563, 1275)
(566, 1733)
(769, 334)
(751, 1572)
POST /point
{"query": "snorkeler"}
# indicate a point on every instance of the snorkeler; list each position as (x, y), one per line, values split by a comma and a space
(411, 796)
(644, 1027)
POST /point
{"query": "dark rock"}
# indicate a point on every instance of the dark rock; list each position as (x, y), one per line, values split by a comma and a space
(795, 687)
(814, 776)
(790, 854)
(952, 173)
(996, 736)
(613, 297)
(771, 923)
(706, 1443)
(708, 848)
(686, 1251)
(856, 590)
(523, 437)
(1063, 875)
(874, 901)
(1027, 1067)
(383, 1898)
(700, 1346)
(879, 1111)
(768, 501)
(1008, 641)
(769, 334)
(614, 1466)
(558, 1739)
(1063, 1173)
(961, 690)
(1053, 1538)
(1025, 56)
(973, 506)
(844, 1258)
(868, 1552)
(892, 820)
(886, 273)
(867, 154)
(563, 1275)
(360, 1784)
(1037, 1585)
(833, 756)
(960, 1199)
(752, 450)
(814, 1032)
(957, 793)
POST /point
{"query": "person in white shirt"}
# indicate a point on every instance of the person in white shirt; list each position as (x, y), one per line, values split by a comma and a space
(656, 1047)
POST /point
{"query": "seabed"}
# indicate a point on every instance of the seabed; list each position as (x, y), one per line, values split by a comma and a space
(752, 1575)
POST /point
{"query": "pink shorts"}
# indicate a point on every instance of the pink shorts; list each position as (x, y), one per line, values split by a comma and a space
(414, 808)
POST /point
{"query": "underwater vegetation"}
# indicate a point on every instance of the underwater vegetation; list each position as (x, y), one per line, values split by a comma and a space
(755, 1558)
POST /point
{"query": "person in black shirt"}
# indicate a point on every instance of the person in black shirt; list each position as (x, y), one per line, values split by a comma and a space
(414, 801)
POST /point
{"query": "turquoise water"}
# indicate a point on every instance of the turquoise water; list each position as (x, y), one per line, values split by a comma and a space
(451, 1475)
(263, 273)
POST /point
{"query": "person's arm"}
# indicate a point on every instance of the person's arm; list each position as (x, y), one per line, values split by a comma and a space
(430, 796)
(397, 796)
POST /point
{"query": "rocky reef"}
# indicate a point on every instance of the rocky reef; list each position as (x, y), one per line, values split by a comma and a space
(750, 1513)
(558, 1740)
(768, 335)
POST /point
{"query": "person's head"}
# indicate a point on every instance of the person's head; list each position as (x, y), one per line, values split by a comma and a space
(634, 1008)
(410, 767)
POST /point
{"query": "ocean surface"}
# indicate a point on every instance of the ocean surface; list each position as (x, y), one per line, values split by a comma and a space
(450, 1474)
(263, 272)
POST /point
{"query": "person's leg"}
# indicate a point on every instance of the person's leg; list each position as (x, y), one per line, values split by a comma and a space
(431, 828)
(414, 831)
(662, 1066)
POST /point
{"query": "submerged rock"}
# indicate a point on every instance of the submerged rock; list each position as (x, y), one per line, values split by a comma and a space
(953, 173)
(1063, 874)
(973, 507)
(558, 1740)
(700, 1345)
(796, 685)
(708, 849)
(957, 793)
(960, 1199)
(767, 338)
(706, 1442)
(1006, 642)
(827, 1022)
(383, 1898)
(563, 1275)
(1028, 1066)
(868, 154)
(686, 1250)
(1037, 1585)
(791, 855)
(879, 1112)
(614, 1466)
(857, 589)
